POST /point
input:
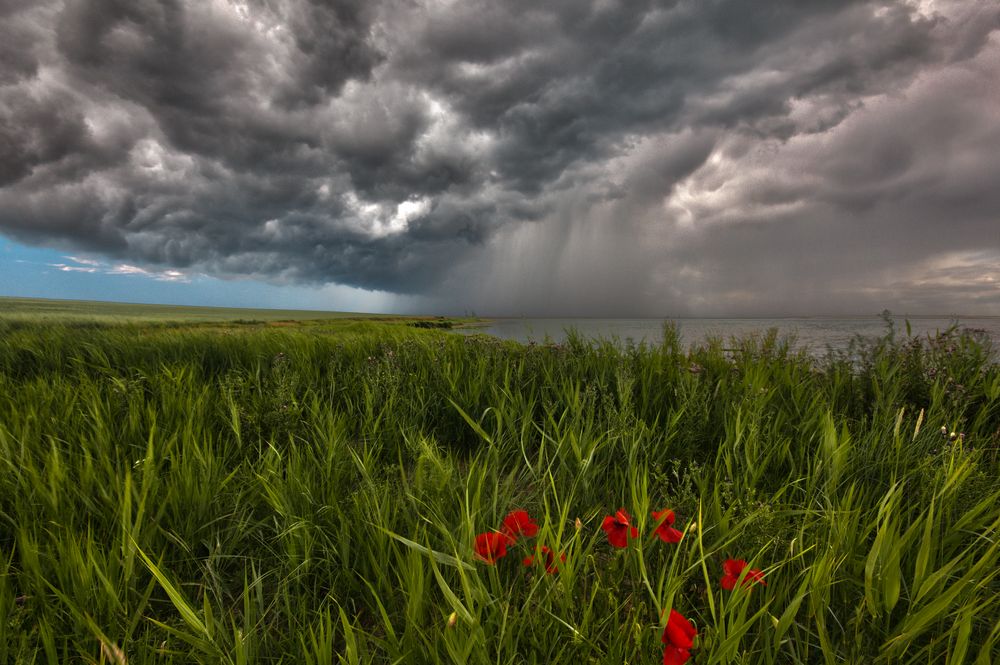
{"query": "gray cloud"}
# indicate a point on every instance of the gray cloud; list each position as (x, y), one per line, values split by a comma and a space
(575, 157)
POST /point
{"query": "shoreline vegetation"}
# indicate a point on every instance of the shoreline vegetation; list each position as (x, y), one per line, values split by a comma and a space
(354, 489)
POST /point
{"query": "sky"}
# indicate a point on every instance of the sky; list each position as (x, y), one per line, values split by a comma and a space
(609, 158)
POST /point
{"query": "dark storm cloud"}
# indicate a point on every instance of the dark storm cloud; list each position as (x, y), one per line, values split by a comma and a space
(608, 156)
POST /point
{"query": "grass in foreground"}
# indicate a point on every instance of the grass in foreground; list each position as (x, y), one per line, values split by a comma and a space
(313, 495)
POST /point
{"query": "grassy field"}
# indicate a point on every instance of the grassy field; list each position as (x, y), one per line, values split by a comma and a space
(313, 494)
(39, 310)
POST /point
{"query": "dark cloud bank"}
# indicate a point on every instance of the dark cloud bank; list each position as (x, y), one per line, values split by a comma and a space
(598, 157)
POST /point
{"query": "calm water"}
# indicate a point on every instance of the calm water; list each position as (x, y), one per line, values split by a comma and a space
(814, 333)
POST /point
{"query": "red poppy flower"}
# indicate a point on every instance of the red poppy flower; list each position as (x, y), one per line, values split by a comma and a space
(491, 546)
(678, 636)
(518, 523)
(675, 656)
(732, 568)
(550, 559)
(619, 528)
(665, 529)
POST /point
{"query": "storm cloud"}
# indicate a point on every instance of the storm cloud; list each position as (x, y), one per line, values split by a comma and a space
(587, 157)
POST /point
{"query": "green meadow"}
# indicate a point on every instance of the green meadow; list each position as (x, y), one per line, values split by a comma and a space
(38, 310)
(251, 487)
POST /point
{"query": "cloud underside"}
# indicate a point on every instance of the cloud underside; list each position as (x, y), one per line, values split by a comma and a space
(73, 264)
(604, 157)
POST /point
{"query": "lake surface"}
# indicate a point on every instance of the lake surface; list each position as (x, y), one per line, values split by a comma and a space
(815, 334)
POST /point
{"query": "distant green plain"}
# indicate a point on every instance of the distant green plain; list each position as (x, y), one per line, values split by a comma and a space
(115, 312)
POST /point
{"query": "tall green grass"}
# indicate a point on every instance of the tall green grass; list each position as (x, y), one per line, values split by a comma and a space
(312, 496)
